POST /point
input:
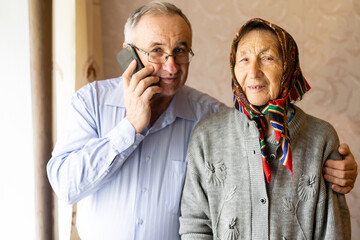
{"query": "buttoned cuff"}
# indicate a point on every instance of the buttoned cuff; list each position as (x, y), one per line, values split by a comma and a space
(123, 137)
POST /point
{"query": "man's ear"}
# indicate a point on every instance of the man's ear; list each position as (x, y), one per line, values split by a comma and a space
(124, 44)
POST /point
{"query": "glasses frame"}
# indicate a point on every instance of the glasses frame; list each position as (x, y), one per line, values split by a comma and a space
(165, 53)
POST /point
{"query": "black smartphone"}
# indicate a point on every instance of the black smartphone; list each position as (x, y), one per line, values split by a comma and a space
(125, 57)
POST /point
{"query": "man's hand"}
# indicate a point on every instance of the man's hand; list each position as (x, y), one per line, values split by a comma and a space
(341, 173)
(137, 95)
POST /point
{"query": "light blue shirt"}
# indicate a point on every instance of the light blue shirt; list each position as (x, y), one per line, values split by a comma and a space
(126, 185)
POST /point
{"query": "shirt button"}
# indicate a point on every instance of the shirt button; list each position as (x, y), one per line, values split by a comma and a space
(272, 156)
(147, 158)
(144, 190)
(139, 221)
(263, 200)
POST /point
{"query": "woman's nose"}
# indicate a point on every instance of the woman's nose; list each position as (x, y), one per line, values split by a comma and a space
(255, 69)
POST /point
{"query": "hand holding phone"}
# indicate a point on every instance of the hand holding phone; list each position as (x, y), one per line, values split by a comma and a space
(125, 57)
(137, 96)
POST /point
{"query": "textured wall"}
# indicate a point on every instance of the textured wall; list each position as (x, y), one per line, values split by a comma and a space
(326, 31)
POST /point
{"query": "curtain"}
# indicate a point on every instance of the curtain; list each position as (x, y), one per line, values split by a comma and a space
(40, 14)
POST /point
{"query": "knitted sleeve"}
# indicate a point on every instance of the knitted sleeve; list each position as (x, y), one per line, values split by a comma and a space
(332, 213)
(195, 220)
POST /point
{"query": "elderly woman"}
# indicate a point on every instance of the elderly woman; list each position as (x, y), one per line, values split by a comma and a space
(255, 172)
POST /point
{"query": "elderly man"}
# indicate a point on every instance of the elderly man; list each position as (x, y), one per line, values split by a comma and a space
(122, 156)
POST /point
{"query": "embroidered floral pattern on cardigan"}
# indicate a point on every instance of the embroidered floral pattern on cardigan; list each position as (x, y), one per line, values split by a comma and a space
(231, 233)
(306, 190)
(216, 173)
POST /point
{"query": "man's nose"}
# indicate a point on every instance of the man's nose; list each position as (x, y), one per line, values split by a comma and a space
(170, 65)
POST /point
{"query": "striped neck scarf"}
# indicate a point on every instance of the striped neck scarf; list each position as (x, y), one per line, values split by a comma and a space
(293, 86)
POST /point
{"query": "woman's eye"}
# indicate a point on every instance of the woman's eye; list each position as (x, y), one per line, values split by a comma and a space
(244, 60)
(268, 58)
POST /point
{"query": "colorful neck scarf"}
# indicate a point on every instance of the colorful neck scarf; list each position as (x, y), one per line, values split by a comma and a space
(293, 86)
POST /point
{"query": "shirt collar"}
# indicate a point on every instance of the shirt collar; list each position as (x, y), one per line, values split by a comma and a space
(180, 106)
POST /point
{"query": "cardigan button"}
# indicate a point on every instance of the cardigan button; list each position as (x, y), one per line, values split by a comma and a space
(263, 200)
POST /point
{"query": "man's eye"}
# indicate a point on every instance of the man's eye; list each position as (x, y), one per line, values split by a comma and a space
(157, 50)
(179, 50)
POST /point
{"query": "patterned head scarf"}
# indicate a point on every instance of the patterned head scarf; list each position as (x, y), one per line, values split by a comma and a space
(293, 86)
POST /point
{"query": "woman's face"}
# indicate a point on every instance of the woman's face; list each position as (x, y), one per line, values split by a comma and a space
(259, 66)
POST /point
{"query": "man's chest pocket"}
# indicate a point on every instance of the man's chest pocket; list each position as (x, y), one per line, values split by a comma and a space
(173, 185)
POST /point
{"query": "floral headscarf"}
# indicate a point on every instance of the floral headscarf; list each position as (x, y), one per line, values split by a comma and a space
(293, 86)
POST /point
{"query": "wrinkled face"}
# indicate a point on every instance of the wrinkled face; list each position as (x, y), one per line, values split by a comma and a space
(170, 34)
(259, 67)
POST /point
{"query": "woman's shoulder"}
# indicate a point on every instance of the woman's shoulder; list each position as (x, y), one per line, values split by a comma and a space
(226, 123)
(320, 134)
(312, 124)
(223, 117)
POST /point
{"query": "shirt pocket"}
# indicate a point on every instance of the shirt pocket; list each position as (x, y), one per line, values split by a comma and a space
(173, 186)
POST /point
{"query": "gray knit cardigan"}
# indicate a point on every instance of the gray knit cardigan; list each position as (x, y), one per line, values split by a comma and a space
(227, 197)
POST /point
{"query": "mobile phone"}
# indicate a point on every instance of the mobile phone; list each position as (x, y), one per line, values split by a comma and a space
(125, 57)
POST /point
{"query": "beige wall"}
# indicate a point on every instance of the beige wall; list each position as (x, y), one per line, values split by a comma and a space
(326, 31)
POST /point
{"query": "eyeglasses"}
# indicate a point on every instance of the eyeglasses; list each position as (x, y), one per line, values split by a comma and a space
(160, 57)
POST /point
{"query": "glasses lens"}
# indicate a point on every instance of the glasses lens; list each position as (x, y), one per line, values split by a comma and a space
(182, 58)
(162, 57)
(157, 57)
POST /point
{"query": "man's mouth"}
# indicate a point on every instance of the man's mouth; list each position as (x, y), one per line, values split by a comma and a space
(168, 79)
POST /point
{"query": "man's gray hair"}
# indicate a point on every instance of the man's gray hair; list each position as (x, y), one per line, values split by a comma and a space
(156, 8)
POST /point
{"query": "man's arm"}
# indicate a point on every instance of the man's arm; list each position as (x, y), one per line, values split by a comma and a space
(341, 173)
(83, 159)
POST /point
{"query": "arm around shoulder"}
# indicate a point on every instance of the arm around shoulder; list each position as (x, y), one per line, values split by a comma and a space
(342, 174)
